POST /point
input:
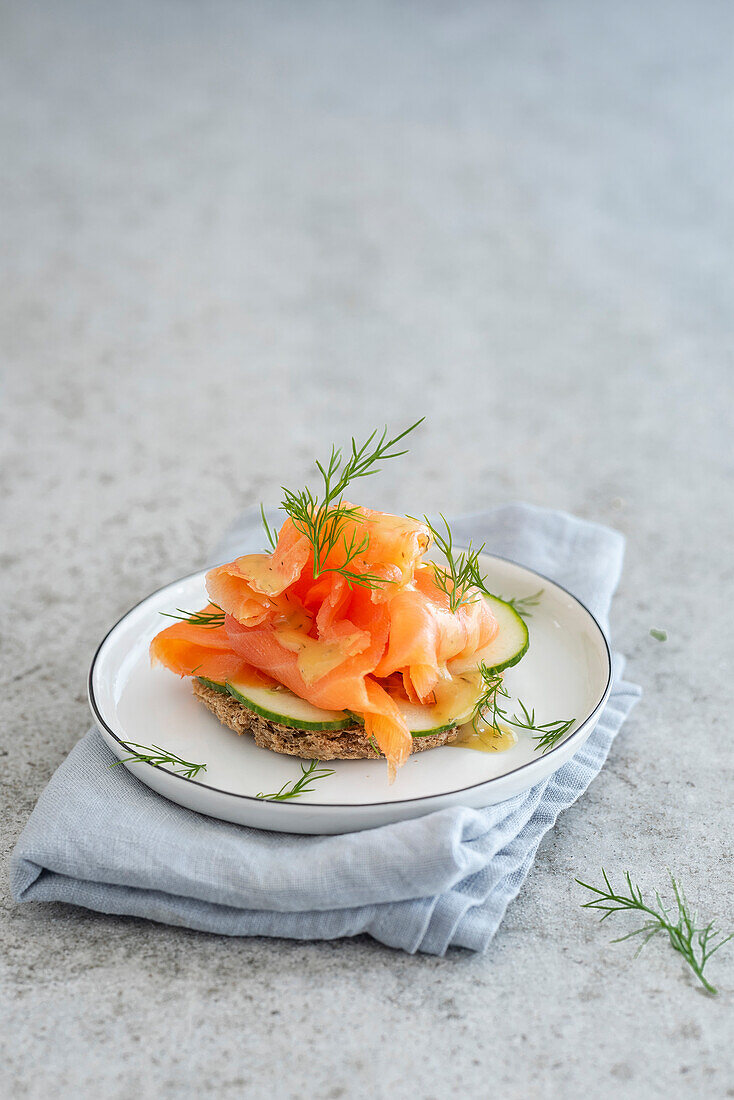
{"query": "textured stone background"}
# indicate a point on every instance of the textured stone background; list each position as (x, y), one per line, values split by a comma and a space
(232, 232)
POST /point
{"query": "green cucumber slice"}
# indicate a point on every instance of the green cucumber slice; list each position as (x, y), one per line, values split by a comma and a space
(213, 684)
(278, 704)
(508, 647)
(426, 720)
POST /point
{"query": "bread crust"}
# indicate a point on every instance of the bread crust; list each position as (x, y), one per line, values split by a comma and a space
(346, 744)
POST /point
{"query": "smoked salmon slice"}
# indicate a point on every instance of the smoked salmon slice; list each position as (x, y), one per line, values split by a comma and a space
(190, 650)
(425, 634)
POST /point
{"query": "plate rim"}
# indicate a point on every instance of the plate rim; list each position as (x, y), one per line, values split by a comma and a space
(562, 745)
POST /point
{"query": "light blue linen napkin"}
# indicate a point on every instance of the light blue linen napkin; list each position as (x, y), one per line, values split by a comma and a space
(101, 839)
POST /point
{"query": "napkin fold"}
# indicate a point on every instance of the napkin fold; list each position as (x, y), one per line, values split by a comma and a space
(101, 839)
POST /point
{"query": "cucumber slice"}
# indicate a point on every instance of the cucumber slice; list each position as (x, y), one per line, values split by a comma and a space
(425, 721)
(454, 707)
(508, 647)
(213, 684)
(278, 704)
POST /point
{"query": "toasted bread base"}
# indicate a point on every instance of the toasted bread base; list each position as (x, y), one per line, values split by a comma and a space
(346, 744)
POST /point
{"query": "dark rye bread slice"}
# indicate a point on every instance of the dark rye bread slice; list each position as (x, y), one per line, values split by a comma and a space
(346, 744)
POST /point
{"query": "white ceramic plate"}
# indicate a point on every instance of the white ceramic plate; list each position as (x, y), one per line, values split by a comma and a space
(566, 673)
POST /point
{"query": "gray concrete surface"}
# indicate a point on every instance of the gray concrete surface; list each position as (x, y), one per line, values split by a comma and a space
(232, 232)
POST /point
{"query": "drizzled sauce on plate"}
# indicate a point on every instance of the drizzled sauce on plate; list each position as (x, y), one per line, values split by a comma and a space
(484, 738)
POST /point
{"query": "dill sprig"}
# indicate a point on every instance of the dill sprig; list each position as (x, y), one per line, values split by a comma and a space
(270, 534)
(546, 734)
(462, 576)
(155, 755)
(300, 786)
(487, 708)
(324, 517)
(210, 620)
(523, 604)
(462, 579)
(695, 944)
(492, 712)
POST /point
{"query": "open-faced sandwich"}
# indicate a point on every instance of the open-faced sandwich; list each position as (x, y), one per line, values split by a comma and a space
(344, 640)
